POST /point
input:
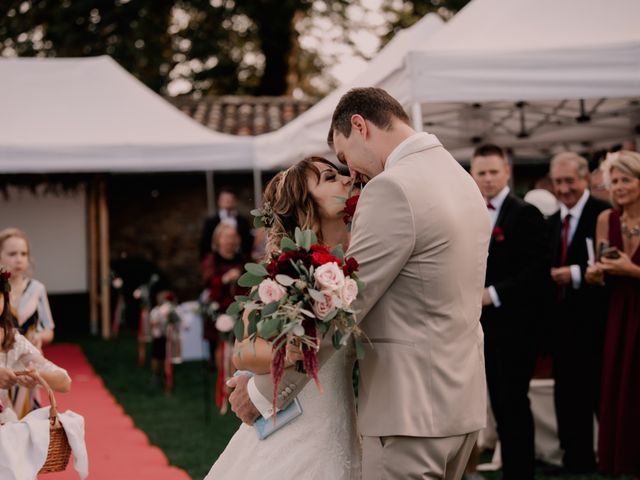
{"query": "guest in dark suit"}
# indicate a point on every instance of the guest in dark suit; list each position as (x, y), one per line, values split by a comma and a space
(517, 267)
(227, 212)
(578, 313)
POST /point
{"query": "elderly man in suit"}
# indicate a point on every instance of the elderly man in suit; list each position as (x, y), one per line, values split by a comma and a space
(421, 235)
(578, 312)
(517, 269)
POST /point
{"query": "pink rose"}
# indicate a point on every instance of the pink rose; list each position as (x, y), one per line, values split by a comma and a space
(349, 292)
(322, 309)
(329, 276)
(224, 323)
(270, 291)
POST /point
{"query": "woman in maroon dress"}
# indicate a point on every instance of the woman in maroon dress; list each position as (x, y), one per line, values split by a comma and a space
(619, 268)
(221, 269)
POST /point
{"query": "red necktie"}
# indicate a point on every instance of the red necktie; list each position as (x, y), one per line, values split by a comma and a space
(490, 206)
(565, 239)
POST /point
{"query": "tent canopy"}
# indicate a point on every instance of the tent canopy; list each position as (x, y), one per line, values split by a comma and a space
(89, 114)
(533, 75)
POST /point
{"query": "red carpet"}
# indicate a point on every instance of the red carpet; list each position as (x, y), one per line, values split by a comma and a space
(117, 449)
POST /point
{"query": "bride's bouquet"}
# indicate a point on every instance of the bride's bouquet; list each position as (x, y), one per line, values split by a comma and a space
(300, 295)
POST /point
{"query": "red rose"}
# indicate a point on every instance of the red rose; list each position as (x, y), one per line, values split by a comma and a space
(350, 265)
(350, 208)
(284, 262)
(320, 258)
(272, 268)
(319, 247)
(498, 233)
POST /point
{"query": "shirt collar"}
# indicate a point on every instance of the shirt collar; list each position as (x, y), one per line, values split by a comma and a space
(398, 152)
(498, 200)
(576, 210)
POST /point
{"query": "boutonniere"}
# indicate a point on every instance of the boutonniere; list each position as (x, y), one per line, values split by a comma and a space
(498, 233)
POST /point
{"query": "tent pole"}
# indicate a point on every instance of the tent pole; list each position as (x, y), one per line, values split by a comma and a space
(257, 187)
(211, 194)
(103, 247)
(416, 114)
(94, 271)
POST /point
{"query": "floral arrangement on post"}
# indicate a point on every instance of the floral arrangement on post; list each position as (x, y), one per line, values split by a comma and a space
(300, 295)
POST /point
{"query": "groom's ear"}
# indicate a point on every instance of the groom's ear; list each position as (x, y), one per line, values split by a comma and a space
(359, 124)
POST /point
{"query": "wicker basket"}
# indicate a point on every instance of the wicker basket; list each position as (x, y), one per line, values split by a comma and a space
(59, 449)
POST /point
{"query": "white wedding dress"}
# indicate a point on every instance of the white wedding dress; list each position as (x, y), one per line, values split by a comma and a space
(320, 444)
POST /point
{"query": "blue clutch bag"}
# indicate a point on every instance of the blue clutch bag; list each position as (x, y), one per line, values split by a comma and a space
(266, 426)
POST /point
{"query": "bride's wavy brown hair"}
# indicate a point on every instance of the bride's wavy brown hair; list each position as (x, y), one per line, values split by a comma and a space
(292, 203)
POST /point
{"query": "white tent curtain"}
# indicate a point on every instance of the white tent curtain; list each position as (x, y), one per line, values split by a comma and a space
(90, 115)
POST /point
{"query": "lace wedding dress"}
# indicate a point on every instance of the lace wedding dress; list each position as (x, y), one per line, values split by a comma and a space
(320, 444)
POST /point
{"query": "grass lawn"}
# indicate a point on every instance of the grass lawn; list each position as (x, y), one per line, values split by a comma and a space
(177, 423)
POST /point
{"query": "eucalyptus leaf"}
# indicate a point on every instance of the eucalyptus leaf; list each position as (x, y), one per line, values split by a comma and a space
(316, 295)
(258, 222)
(361, 284)
(286, 244)
(336, 339)
(285, 280)
(269, 328)
(234, 309)
(338, 252)
(313, 238)
(256, 212)
(241, 298)
(256, 269)
(238, 329)
(331, 315)
(359, 349)
(248, 279)
(270, 308)
(307, 313)
(251, 327)
(306, 240)
(299, 236)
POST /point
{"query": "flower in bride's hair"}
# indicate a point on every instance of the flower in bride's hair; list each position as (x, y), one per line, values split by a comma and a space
(329, 276)
(349, 292)
(322, 309)
(270, 291)
(263, 217)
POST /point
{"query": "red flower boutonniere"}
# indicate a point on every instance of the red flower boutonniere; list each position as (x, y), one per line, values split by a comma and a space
(498, 234)
(349, 210)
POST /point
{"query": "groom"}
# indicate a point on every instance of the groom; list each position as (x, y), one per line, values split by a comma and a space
(421, 235)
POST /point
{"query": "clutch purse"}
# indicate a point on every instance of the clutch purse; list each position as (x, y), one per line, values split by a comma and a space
(266, 426)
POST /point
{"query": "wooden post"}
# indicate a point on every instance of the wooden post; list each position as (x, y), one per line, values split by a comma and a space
(103, 239)
(94, 272)
(257, 187)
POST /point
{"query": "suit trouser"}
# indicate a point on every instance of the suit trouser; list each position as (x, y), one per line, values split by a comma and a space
(577, 358)
(510, 361)
(416, 458)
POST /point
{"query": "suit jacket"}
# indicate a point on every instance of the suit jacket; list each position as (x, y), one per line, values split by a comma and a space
(421, 235)
(244, 229)
(587, 304)
(518, 268)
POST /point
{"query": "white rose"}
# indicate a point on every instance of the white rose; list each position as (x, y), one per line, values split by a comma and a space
(349, 291)
(322, 309)
(270, 291)
(329, 276)
(224, 323)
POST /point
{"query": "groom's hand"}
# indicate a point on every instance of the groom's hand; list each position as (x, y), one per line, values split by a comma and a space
(240, 401)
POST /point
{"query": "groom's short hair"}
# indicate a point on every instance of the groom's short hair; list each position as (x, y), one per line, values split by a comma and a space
(373, 104)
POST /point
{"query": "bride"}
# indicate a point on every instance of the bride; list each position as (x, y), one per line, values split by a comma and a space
(321, 443)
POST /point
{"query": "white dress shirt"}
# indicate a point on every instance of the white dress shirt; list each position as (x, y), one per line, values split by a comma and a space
(497, 202)
(576, 212)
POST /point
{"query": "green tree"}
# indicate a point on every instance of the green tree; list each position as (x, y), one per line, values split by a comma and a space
(216, 46)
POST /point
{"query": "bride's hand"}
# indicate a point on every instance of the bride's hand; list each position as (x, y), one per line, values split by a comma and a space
(293, 352)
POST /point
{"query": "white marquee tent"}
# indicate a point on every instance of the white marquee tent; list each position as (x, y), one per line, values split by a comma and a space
(533, 75)
(91, 115)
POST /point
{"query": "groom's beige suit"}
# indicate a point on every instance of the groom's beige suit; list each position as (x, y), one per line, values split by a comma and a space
(421, 235)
